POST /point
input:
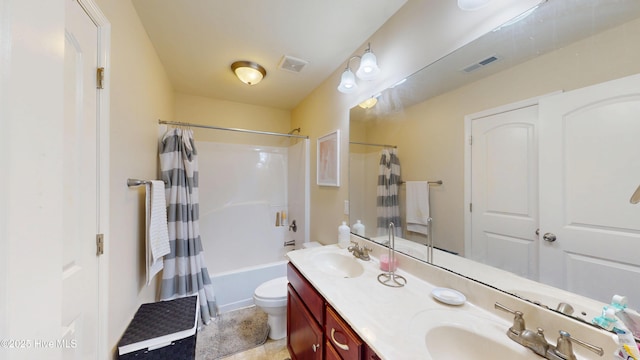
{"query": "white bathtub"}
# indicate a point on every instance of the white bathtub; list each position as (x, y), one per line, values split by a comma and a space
(234, 289)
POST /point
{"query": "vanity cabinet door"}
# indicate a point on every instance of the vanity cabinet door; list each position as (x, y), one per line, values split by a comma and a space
(307, 293)
(304, 335)
(345, 342)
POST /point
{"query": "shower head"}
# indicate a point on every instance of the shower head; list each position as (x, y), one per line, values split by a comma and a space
(635, 198)
(294, 130)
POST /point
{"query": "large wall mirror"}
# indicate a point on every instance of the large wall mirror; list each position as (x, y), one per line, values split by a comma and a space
(534, 132)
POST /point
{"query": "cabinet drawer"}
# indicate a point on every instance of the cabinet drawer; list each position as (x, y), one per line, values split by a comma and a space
(346, 343)
(312, 299)
(369, 354)
(330, 352)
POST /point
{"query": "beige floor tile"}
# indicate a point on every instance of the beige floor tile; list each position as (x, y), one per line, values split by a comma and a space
(271, 350)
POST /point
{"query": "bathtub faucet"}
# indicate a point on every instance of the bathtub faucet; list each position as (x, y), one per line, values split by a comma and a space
(290, 243)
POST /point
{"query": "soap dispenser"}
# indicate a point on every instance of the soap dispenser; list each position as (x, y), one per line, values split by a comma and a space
(358, 228)
(343, 235)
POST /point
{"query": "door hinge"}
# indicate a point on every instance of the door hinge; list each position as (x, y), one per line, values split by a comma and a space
(470, 207)
(100, 78)
(470, 140)
(99, 244)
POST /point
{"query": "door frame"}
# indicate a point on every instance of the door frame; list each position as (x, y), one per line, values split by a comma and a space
(468, 119)
(104, 53)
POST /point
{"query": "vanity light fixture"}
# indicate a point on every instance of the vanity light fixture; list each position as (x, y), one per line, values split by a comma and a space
(368, 70)
(472, 5)
(248, 72)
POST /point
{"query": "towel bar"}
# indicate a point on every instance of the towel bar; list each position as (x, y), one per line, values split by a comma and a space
(137, 182)
(439, 182)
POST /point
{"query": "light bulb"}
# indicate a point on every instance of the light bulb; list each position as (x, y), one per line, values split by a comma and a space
(368, 69)
(347, 82)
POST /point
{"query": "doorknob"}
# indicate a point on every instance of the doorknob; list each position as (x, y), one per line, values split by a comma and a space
(549, 237)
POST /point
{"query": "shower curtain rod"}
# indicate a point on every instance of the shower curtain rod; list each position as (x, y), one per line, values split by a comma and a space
(370, 144)
(177, 123)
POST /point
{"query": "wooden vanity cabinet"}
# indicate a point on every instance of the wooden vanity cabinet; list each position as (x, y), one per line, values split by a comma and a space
(343, 340)
(314, 329)
(370, 355)
(305, 318)
(304, 335)
(330, 352)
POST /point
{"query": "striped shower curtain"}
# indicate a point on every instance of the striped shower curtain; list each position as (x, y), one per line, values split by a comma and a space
(387, 204)
(185, 272)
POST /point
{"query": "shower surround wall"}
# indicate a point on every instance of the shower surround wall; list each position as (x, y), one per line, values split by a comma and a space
(242, 188)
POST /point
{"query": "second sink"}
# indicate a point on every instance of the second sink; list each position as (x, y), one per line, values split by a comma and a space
(462, 334)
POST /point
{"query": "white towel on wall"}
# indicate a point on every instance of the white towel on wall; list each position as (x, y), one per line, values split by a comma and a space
(417, 206)
(157, 233)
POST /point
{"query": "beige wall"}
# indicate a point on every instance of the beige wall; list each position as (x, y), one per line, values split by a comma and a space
(222, 113)
(140, 94)
(430, 135)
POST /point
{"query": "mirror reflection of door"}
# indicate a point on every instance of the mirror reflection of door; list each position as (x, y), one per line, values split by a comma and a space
(504, 190)
(578, 154)
(589, 166)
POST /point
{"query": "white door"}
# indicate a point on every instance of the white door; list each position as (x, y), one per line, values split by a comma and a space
(80, 206)
(589, 167)
(504, 190)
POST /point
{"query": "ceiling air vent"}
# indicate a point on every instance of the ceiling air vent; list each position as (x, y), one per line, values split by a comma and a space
(480, 64)
(292, 64)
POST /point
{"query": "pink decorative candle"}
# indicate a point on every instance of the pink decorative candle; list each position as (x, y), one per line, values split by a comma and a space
(384, 263)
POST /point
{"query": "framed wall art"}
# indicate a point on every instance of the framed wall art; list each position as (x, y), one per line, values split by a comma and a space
(328, 162)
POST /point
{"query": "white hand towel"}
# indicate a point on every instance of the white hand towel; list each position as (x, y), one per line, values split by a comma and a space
(417, 206)
(157, 238)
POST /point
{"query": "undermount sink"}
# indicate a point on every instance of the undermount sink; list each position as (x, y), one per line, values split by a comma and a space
(461, 334)
(338, 265)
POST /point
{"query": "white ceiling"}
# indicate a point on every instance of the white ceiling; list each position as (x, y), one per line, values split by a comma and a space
(197, 40)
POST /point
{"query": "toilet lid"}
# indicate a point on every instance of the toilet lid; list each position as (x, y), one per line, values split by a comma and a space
(273, 289)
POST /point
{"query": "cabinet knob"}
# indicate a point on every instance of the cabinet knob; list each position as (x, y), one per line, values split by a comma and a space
(315, 347)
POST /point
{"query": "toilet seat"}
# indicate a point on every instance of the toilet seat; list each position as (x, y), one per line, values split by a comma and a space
(275, 289)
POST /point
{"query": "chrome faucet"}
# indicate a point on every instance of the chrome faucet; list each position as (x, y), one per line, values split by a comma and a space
(359, 252)
(523, 336)
(564, 350)
(536, 341)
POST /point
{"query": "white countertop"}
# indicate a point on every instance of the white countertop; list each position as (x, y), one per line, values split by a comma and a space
(392, 321)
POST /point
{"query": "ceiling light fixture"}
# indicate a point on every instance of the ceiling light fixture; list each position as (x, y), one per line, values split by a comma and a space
(368, 70)
(369, 103)
(249, 72)
(472, 5)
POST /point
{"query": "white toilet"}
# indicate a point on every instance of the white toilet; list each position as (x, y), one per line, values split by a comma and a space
(271, 297)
